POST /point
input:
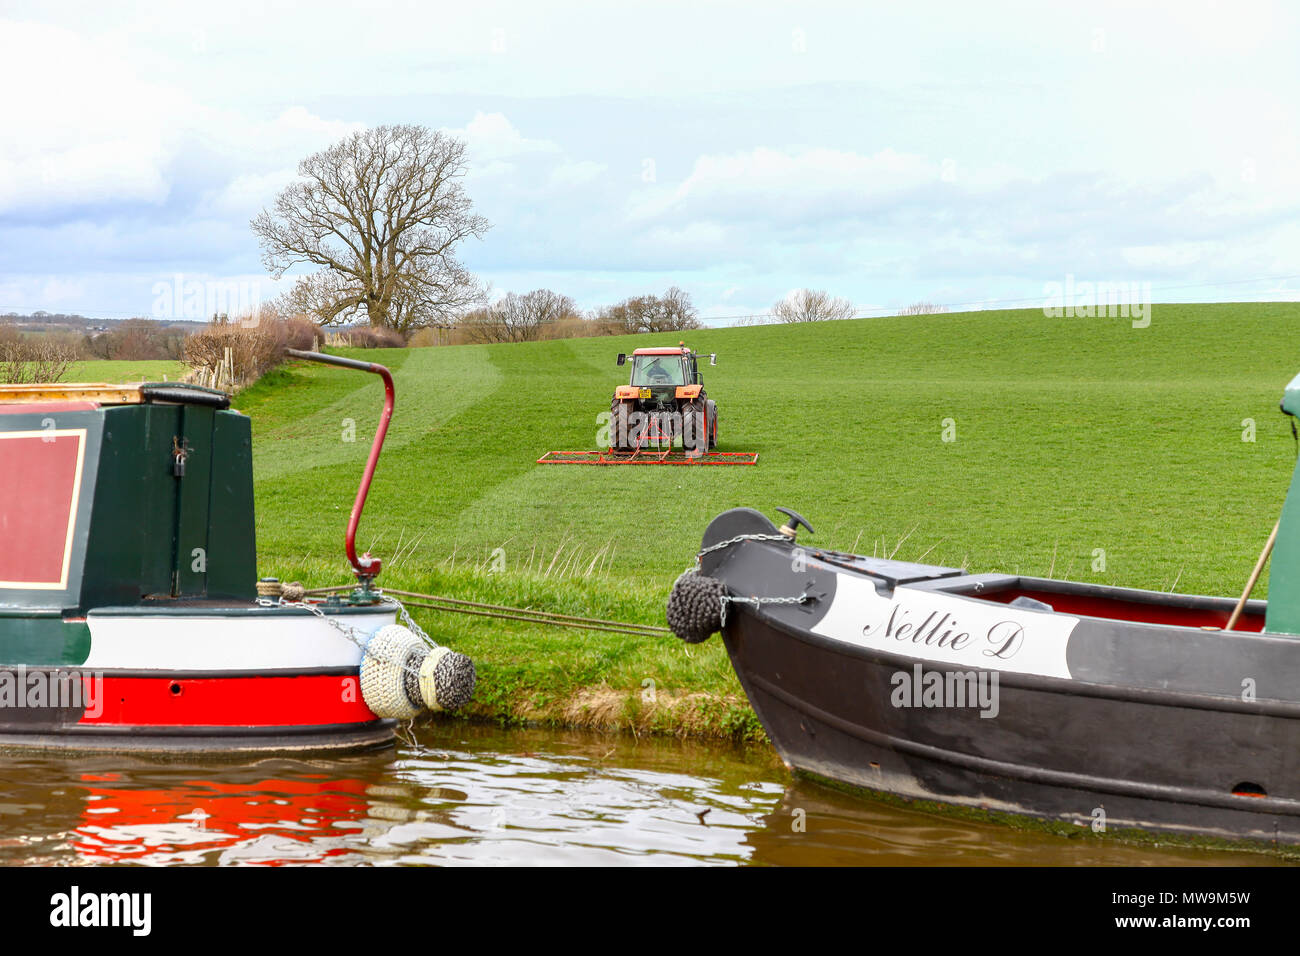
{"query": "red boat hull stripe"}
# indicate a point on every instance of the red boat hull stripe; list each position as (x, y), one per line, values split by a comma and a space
(315, 699)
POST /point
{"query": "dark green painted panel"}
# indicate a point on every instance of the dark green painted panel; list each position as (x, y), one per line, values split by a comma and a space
(194, 492)
(139, 524)
(133, 523)
(232, 544)
(37, 641)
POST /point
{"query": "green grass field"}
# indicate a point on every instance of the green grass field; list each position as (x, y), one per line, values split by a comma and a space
(1076, 439)
(112, 372)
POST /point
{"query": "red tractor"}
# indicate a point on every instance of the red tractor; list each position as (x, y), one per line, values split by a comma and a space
(663, 400)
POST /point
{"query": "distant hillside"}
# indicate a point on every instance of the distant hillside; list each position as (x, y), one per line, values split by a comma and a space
(1083, 447)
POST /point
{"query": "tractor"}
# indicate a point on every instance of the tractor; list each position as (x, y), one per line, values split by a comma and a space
(664, 400)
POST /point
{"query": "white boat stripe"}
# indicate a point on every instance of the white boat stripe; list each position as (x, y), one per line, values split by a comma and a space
(191, 642)
(949, 629)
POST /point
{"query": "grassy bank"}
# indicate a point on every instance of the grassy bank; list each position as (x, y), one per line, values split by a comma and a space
(1082, 448)
(560, 676)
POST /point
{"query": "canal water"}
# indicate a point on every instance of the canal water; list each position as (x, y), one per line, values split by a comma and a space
(461, 794)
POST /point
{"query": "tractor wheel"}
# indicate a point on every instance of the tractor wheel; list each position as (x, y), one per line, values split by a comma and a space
(619, 430)
(694, 439)
(713, 423)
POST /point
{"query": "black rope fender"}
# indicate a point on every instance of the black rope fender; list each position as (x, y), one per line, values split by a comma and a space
(695, 606)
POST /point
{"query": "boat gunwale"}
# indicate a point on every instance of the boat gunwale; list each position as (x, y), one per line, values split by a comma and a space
(220, 611)
(950, 585)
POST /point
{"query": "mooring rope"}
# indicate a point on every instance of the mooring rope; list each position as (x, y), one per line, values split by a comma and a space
(506, 612)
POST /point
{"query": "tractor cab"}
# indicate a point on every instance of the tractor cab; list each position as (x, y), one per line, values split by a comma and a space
(665, 367)
(653, 367)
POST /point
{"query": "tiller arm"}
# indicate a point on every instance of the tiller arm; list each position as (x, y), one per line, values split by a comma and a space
(366, 567)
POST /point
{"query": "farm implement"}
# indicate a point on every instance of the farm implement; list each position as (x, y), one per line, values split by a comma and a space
(663, 404)
(652, 457)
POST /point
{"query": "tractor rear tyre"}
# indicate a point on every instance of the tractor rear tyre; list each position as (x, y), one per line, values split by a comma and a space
(712, 415)
(695, 439)
(620, 437)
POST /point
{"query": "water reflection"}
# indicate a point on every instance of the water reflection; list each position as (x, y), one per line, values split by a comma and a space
(467, 795)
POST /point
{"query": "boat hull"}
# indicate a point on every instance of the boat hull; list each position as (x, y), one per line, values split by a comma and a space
(201, 679)
(1108, 708)
(1108, 760)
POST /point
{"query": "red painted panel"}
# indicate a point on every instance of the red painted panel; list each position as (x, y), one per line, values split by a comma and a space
(38, 480)
(1135, 611)
(230, 701)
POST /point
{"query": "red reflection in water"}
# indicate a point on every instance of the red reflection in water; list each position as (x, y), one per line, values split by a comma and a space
(270, 822)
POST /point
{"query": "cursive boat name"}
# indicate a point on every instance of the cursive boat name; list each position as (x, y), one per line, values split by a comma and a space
(1003, 639)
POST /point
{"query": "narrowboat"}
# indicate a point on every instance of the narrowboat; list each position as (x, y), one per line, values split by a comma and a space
(1106, 707)
(131, 613)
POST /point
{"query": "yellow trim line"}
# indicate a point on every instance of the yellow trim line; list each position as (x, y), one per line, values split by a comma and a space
(125, 394)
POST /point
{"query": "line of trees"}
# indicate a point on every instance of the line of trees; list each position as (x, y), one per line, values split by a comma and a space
(544, 314)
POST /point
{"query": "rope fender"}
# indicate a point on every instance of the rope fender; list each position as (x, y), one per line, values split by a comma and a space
(402, 676)
(695, 606)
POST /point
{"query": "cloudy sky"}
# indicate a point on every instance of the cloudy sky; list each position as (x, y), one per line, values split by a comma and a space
(950, 152)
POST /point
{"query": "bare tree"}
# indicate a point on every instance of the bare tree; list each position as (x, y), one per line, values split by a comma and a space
(518, 318)
(34, 359)
(381, 213)
(923, 308)
(481, 325)
(671, 312)
(812, 305)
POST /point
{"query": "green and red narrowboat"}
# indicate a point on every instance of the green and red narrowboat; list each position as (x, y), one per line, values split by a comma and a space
(130, 612)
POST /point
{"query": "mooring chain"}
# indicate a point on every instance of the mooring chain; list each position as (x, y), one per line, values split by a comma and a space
(757, 601)
(726, 599)
(736, 540)
(408, 620)
(353, 634)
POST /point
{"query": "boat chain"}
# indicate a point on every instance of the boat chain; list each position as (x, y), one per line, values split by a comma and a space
(736, 540)
(352, 633)
(757, 601)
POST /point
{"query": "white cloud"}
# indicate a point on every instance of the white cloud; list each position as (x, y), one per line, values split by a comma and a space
(789, 184)
(79, 124)
(577, 173)
(490, 136)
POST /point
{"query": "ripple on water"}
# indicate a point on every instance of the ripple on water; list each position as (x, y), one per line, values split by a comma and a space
(481, 796)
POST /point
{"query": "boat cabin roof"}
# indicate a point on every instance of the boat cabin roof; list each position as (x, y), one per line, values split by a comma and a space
(98, 393)
(72, 396)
